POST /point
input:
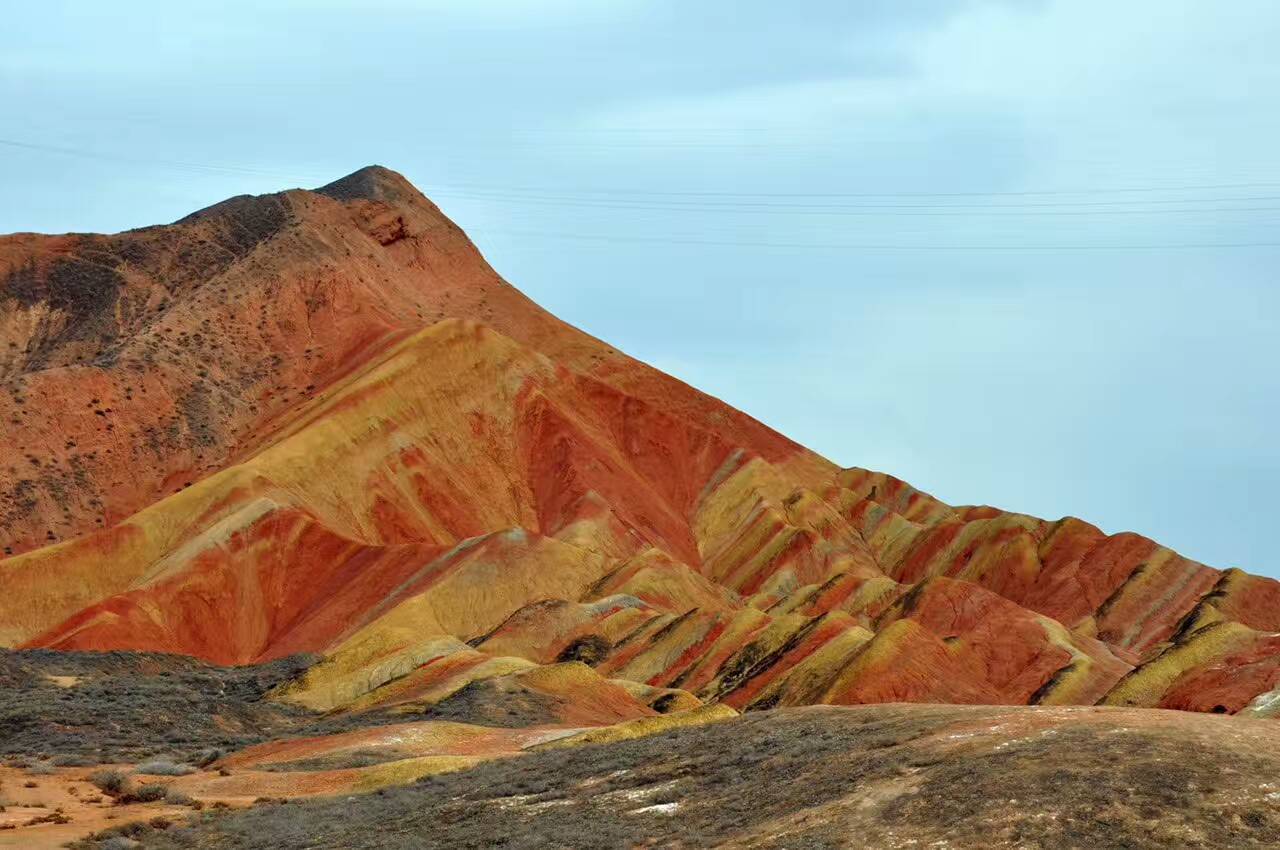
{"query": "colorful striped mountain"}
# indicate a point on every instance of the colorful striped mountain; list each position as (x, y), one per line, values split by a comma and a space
(318, 421)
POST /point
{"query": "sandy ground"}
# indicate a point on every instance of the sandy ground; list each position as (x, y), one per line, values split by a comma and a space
(68, 794)
(65, 805)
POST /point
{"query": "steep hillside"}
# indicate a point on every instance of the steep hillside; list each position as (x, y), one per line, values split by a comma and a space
(319, 422)
(136, 364)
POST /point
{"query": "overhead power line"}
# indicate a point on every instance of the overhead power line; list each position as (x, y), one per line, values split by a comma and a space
(177, 164)
(873, 211)
(736, 202)
(1185, 246)
(733, 205)
(615, 191)
(833, 195)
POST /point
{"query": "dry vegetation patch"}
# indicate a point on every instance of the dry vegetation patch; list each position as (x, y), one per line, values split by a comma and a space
(875, 776)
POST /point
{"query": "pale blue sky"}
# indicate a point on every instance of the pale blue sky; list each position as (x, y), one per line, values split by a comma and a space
(780, 203)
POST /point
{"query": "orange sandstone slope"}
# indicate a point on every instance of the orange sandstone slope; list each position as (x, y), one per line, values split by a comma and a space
(318, 421)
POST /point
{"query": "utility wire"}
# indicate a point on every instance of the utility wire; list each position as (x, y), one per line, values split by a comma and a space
(509, 190)
(883, 246)
(772, 205)
(185, 166)
(492, 195)
(711, 194)
(845, 211)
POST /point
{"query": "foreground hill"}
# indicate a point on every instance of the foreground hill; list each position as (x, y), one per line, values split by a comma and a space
(231, 768)
(318, 422)
(867, 777)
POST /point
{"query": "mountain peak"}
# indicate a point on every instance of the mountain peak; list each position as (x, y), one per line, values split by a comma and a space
(374, 183)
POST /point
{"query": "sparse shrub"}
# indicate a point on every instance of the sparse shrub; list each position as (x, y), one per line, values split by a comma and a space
(109, 781)
(117, 842)
(178, 798)
(73, 761)
(41, 768)
(53, 817)
(148, 793)
(164, 767)
(208, 757)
